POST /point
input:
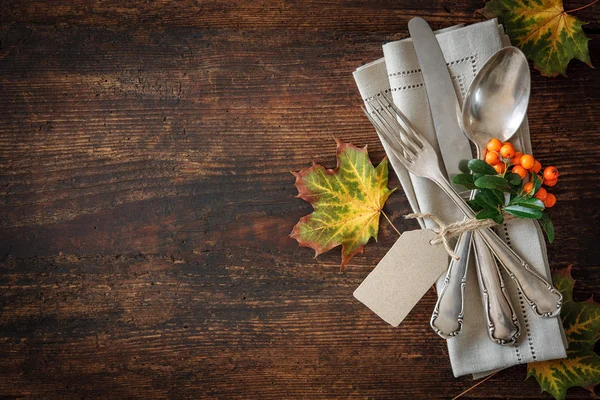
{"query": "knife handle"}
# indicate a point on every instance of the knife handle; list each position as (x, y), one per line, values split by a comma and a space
(502, 322)
(447, 317)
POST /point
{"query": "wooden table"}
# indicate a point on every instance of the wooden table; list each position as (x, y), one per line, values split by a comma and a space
(146, 199)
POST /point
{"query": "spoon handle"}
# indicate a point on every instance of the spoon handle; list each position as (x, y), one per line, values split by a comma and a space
(503, 325)
(447, 317)
(543, 298)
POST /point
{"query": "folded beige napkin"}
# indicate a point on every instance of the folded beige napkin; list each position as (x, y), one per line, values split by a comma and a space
(466, 48)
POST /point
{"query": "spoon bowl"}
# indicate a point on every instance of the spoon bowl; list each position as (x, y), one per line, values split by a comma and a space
(497, 99)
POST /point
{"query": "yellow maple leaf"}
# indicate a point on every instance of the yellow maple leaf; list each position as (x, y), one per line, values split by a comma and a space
(347, 202)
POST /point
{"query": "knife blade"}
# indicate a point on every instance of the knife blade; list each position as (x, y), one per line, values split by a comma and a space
(443, 102)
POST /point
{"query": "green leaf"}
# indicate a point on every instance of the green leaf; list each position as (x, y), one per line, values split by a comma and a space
(490, 214)
(499, 195)
(544, 31)
(533, 203)
(523, 212)
(463, 166)
(493, 182)
(513, 179)
(465, 180)
(347, 202)
(581, 321)
(487, 199)
(475, 205)
(498, 218)
(530, 202)
(517, 200)
(547, 226)
(481, 167)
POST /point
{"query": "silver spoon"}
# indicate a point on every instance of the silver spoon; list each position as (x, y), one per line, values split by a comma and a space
(497, 99)
(494, 106)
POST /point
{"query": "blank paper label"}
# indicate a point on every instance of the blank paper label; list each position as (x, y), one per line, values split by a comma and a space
(403, 276)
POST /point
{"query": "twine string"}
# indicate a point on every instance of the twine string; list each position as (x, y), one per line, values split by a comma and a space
(444, 232)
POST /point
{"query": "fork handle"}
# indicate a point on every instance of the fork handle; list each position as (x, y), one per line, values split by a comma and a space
(448, 313)
(543, 298)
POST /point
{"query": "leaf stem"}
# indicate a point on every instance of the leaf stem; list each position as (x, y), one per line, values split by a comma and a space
(388, 220)
(582, 7)
(478, 383)
(507, 162)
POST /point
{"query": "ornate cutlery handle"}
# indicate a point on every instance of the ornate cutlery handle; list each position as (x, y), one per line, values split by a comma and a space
(503, 325)
(543, 298)
(447, 317)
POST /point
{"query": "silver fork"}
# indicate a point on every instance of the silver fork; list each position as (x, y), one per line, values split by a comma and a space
(419, 157)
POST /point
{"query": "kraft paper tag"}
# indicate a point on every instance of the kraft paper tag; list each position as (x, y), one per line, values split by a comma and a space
(403, 276)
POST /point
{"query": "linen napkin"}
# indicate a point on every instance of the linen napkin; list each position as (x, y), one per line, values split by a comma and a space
(466, 48)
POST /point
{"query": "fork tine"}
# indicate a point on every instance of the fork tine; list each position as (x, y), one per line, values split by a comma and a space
(410, 127)
(376, 124)
(393, 136)
(394, 128)
(393, 118)
(389, 118)
(384, 136)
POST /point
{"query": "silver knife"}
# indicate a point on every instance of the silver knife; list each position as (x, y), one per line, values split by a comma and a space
(443, 103)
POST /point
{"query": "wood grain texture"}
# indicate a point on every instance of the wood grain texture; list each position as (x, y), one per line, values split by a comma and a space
(146, 199)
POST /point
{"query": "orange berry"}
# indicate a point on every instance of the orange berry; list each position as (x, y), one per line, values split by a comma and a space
(516, 160)
(507, 150)
(551, 173)
(492, 158)
(550, 183)
(541, 194)
(550, 200)
(527, 161)
(500, 167)
(537, 166)
(528, 187)
(519, 170)
(494, 145)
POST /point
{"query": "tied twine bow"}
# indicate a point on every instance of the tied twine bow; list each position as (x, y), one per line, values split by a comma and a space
(444, 232)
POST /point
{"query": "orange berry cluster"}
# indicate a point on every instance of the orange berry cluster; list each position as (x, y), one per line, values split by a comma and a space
(503, 157)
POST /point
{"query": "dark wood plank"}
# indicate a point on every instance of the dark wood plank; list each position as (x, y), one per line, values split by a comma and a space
(145, 201)
(350, 15)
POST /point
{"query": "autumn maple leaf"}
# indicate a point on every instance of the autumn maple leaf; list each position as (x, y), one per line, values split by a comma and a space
(347, 202)
(545, 32)
(582, 328)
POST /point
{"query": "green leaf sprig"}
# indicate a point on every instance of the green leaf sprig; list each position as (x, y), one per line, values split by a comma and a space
(502, 193)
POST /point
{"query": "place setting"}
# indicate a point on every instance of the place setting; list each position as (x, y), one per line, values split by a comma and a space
(450, 110)
(299, 200)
